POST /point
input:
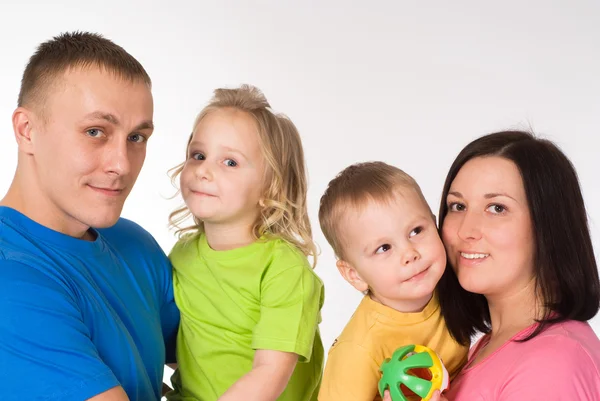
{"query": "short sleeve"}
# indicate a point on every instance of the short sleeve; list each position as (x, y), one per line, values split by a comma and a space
(559, 369)
(290, 303)
(351, 373)
(46, 351)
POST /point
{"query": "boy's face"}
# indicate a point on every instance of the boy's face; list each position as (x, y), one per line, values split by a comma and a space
(394, 250)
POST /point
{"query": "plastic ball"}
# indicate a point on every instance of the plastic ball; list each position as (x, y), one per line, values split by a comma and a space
(400, 370)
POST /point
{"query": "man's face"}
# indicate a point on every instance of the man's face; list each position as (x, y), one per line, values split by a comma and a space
(89, 147)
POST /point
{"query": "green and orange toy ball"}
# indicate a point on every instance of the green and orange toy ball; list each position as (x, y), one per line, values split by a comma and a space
(401, 369)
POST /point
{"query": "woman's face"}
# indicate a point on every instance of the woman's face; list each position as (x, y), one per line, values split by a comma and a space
(488, 231)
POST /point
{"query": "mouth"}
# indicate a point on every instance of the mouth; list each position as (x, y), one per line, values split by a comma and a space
(107, 191)
(474, 256)
(202, 194)
(417, 276)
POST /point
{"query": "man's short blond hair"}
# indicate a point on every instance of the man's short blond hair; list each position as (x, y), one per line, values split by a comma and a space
(72, 50)
(353, 188)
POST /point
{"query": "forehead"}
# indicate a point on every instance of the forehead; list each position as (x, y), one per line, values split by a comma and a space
(375, 217)
(486, 175)
(227, 125)
(86, 89)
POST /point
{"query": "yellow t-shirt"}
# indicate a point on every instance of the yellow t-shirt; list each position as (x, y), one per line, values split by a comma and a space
(261, 296)
(373, 333)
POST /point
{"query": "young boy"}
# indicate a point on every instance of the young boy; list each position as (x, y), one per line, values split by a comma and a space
(380, 227)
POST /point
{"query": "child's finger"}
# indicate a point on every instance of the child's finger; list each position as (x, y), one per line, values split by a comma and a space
(437, 396)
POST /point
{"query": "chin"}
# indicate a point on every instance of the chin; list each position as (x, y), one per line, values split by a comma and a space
(472, 285)
(102, 218)
(204, 217)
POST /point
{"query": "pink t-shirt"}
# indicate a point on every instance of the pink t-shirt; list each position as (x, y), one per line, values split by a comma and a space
(562, 363)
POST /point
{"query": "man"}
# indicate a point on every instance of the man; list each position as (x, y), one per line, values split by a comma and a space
(86, 298)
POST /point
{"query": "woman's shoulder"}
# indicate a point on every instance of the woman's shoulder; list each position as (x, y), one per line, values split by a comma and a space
(569, 345)
(568, 336)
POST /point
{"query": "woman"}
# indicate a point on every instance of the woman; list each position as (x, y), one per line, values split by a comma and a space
(523, 272)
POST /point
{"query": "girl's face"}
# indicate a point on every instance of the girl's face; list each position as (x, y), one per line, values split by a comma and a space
(488, 230)
(222, 180)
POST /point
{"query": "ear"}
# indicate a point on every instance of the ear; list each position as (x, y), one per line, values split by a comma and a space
(351, 275)
(22, 120)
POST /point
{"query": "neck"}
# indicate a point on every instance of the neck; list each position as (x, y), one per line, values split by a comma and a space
(512, 312)
(227, 236)
(26, 196)
(404, 306)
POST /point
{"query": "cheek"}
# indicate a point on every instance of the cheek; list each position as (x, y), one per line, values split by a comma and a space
(514, 244)
(72, 161)
(250, 186)
(185, 176)
(438, 250)
(85, 161)
(506, 236)
(448, 233)
(137, 158)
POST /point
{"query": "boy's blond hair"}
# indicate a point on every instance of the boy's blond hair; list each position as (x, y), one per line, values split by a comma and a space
(283, 204)
(356, 186)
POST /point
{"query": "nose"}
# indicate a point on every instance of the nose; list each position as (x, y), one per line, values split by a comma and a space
(469, 228)
(117, 158)
(411, 255)
(203, 171)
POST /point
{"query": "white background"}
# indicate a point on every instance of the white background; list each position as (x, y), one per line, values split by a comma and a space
(406, 82)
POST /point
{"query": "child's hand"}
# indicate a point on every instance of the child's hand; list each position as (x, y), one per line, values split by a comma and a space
(437, 396)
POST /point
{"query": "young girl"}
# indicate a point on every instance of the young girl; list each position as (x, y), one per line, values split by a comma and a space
(249, 299)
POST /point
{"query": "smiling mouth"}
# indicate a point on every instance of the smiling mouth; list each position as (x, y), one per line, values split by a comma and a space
(418, 276)
(107, 191)
(204, 194)
(474, 256)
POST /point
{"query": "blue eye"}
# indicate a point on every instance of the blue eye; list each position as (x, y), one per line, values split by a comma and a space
(198, 156)
(94, 132)
(230, 163)
(137, 138)
(383, 248)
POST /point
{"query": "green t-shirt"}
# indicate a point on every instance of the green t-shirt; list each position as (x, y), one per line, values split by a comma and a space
(261, 296)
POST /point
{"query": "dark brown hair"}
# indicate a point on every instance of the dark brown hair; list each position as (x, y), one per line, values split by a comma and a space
(564, 263)
(71, 50)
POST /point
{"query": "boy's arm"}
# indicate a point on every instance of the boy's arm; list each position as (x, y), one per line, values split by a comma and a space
(351, 373)
(271, 371)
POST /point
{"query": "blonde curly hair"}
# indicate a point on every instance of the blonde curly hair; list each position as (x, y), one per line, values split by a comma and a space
(283, 211)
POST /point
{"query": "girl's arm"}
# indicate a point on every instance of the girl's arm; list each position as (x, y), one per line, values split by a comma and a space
(271, 371)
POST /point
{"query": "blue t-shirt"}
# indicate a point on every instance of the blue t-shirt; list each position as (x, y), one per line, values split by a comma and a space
(80, 317)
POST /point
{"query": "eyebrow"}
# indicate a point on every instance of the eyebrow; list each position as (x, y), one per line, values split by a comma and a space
(232, 150)
(225, 148)
(486, 196)
(112, 119)
(372, 244)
